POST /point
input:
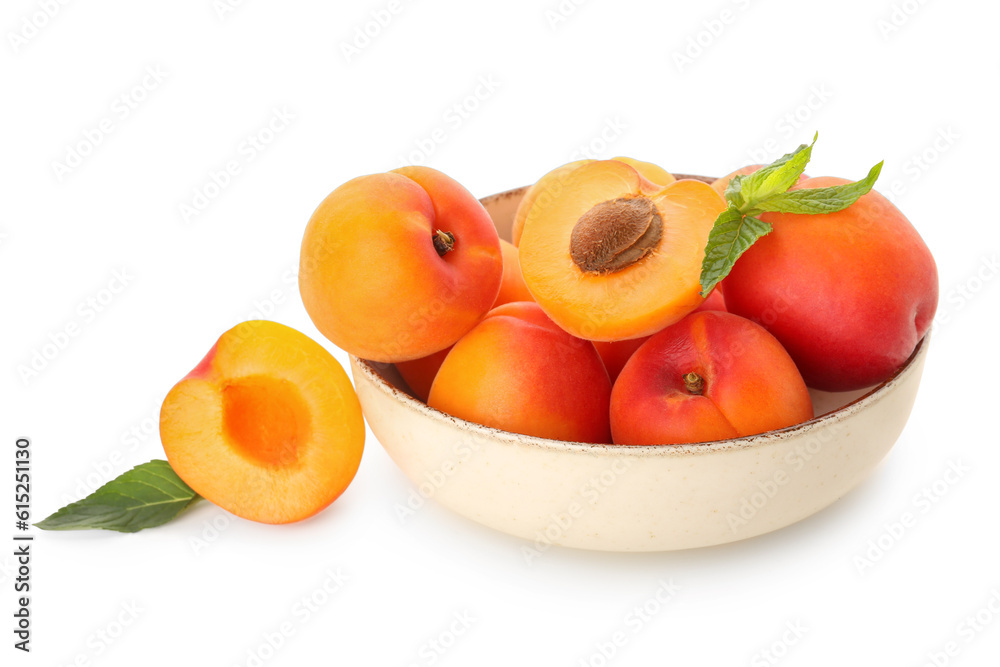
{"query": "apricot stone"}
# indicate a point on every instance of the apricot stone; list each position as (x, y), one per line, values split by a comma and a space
(615, 256)
(552, 184)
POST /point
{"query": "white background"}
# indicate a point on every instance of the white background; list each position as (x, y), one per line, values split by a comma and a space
(874, 90)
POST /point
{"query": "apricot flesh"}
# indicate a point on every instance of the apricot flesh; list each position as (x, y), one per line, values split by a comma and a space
(399, 265)
(552, 184)
(614, 256)
(849, 294)
(267, 426)
(518, 371)
(711, 376)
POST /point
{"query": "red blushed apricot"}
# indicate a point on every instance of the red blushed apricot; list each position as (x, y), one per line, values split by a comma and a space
(419, 373)
(711, 376)
(716, 300)
(849, 294)
(512, 287)
(615, 354)
(614, 256)
(518, 371)
(267, 426)
(400, 265)
(551, 184)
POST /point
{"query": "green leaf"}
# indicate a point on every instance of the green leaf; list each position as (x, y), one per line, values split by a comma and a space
(732, 234)
(821, 200)
(775, 178)
(148, 495)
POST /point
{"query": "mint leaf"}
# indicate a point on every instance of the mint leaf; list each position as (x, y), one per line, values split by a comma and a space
(777, 177)
(767, 189)
(732, 234)
(821, 200)
(146, 496)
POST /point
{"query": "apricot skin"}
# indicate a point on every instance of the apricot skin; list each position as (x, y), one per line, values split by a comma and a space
(370, 276)
(419, 373)
(750, 384)
(848, 294)
(512, 287)
(517, 371)
(266, 426)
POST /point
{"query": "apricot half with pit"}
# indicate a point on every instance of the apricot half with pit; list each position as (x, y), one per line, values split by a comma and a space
(614, 256)
(267, 426)
(552, 183)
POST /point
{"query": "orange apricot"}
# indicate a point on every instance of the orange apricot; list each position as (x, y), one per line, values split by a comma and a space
(267, 426)
(710, 376)
(399, 265)
(614, 256)
(551, 184)
(518, 371)
(512, 287)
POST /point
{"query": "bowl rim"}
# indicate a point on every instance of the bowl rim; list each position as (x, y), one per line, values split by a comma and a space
(371, 372)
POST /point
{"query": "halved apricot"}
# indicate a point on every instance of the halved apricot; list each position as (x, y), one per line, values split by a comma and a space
(614, 256)
(400, 265)
(267, 426)
(551, 184)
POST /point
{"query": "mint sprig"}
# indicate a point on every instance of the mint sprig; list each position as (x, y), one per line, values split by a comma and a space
(767, 189)
(146, 496)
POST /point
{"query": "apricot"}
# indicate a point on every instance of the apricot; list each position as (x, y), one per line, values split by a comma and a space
(512, 287)
(711, 376)
(399, 265)
(614, 256)
(267, 426)
(518, 371)
(552, 184)
(848, 294)
(616, 353)
(419, 373)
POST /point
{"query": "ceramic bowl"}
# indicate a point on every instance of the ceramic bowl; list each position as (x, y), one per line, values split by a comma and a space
(628, 498)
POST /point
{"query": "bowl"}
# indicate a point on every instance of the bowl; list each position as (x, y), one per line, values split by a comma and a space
(635, 498)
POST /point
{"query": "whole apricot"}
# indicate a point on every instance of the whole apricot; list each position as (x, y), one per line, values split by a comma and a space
(711, 376)
(400, 265)
(849, 294)
(518, 371)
